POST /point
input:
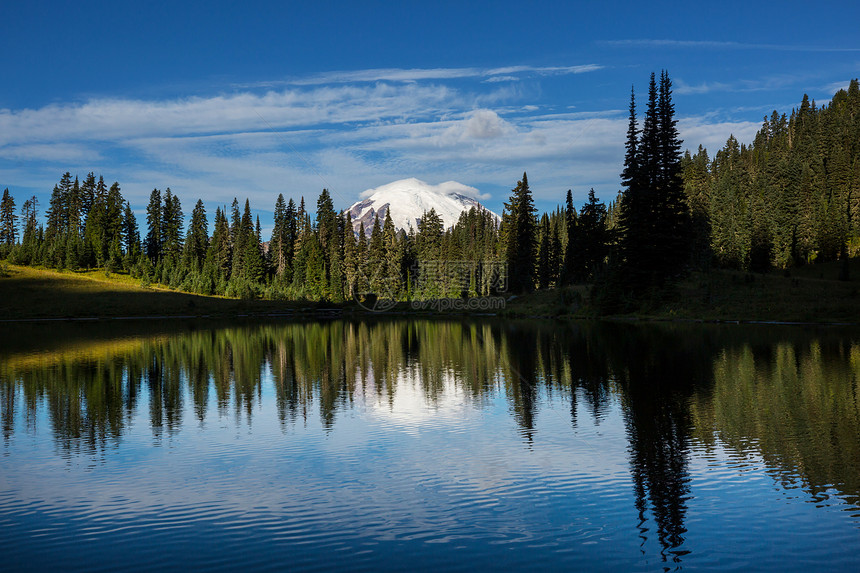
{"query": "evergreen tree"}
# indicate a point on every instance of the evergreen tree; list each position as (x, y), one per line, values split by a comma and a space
(220, 249)
(291, 236)
(544, 270)
(392, 259)
(375, 267)
(350, 260)
(154, 222)
(302, 227)
(593, 236)
(74, 208)
(314, 284)
(429, 247)
(237, 242)
(55, 234)
(556, 253)
(252, 258)
(114, 259)
(110, 209)
(131, 239)
(520, 237)
(362, 284)
(673, 230)
(336, 260)
(171, 226)
(31, 242)
(571, 244)
(730, 235)
(695, 171)
(8, 220)
(630, 176)
(654, 221)
(279, 244)
(330, 245)
(30, 212)
(326, 220)
(72, 252)
(87, 194)
(130, 232)
(197, 238)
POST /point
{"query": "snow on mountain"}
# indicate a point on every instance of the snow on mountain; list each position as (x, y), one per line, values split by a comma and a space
(408, 199)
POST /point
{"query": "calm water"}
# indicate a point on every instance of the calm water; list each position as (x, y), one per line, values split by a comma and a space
(428, 445)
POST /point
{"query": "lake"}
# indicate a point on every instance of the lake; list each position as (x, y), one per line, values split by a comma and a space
(428, 444)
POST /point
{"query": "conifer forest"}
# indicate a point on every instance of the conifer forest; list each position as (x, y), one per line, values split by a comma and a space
(789, 198)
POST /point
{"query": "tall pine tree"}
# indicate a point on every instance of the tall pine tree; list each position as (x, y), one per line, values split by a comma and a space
(520, 232)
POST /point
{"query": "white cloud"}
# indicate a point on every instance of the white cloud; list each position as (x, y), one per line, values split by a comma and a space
(346, 137)
(713, 136)
(54, 152)
(118, 119)
(712, 44)
(683, 88)
(834, 87)
(424, 74)
(485, 124)
(497, 79)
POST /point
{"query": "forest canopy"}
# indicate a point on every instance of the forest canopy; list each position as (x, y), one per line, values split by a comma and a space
(790, 197)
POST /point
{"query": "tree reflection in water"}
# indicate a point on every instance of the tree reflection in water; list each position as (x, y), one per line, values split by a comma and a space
(788, 395)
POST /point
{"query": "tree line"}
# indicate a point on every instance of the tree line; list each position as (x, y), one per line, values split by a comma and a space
(789, 198)
(91, 226)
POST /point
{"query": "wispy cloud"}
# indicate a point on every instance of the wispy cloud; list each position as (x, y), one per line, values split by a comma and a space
(346, 136)
(109, 119)
(718, 45)
(771, 82)
(497, 79)
(54, 152)
(834, 87)
(683, 88)
(509, 73)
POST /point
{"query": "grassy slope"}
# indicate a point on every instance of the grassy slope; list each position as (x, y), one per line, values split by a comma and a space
(29, 293)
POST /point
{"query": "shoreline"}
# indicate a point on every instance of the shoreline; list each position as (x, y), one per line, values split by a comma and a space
(336, 314)
(33, 295)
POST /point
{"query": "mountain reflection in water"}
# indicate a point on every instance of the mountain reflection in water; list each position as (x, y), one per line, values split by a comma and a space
(685, 393)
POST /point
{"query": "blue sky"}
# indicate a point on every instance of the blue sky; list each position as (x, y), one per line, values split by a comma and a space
(217, 100)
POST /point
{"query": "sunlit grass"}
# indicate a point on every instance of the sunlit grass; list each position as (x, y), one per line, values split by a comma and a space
(28, 293)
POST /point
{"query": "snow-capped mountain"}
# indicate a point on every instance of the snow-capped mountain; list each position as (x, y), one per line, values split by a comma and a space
(408, 199)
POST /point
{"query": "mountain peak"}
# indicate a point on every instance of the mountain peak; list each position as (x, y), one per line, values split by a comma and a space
(408, 199)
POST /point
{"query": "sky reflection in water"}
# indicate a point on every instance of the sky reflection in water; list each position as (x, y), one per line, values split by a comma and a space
(427, 444)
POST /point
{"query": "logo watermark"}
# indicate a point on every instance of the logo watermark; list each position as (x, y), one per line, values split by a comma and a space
(481, 303)
(434, 285)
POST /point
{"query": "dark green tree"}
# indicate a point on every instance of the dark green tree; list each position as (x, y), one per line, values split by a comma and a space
(654, 220)
(429, 248)
(171, 226)
(392, 259)
(519, 230)
(545, 260)
(571, 243)
(375, 267)
(8, 220)
(280, 246)
(130, 231)
(350, 260)
(197, 238)
(252, 257)
(362, 283)
(220, 250)
(593, 236)
(153, 223)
